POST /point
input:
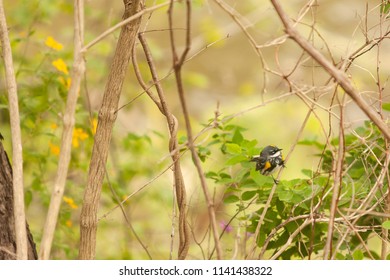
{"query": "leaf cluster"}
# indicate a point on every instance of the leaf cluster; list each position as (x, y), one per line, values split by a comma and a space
(306, 197)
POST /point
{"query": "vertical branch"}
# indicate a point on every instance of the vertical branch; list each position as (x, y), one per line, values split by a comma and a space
(385, 232)
(107, 116)
(338, 179)
(174, 150)
(78, 70)
(17, 152)
(177, 66)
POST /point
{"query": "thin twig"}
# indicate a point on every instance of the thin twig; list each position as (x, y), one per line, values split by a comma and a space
(352, 227)
(338, 180)
(116, 197)
(337, 74)
(123, 23)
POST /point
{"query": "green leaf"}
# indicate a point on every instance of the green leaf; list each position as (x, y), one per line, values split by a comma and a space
(286, 196)
(203, 152)
(307, 172)
(231, 199)
(386, 106)
(248, 144)
(236, 159)
(358, 255)
(212, 175)
(385, 7)
(386, 225)
(311, 142)
(237, 137)
(232, 148)
(248, 195)
(259, 179)
(340, 256)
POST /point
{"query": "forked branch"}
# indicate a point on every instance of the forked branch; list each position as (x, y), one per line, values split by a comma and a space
(339, 75)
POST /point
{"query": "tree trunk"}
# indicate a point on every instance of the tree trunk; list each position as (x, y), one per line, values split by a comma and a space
(7, 221)
(106, 120)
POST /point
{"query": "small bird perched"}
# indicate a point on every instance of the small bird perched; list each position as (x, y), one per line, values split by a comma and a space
(269, 160)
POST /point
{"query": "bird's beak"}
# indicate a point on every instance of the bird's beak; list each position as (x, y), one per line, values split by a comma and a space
(254, 159)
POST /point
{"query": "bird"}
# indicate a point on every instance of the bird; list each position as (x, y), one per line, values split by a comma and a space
(269, 160)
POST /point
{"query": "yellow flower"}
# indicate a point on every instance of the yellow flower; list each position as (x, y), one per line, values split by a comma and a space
(51, 43)
(60, 65)
(68, 223)
(53, 126)
(54, 149)
(65, 82)
(78, 135)
(70, 202)
(94, 125)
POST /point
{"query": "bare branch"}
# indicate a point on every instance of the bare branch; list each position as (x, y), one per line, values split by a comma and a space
(67, 133)
(177, 66)
(123, 23)
(180, 190)
(339, 75)
(338, 179)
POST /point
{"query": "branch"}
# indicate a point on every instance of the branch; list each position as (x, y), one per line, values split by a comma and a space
(130, 226)
(17, 153)
(67, 133)
(338, 180)
(123, 23)
(339, 75)
(273, 190)
(177, 66)
(106, 120)
(180, 189)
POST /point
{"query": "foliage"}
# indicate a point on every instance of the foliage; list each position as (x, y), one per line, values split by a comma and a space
(304, 198)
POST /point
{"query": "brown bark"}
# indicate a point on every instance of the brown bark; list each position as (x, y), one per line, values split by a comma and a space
(7, 221)
(106, 120)
(162, 104)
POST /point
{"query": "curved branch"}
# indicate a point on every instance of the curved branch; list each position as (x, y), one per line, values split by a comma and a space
(339, 75)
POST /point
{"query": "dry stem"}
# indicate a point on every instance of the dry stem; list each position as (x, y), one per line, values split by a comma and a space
(179, 186)
(177, 66)
(339, 75)
(67, 133)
